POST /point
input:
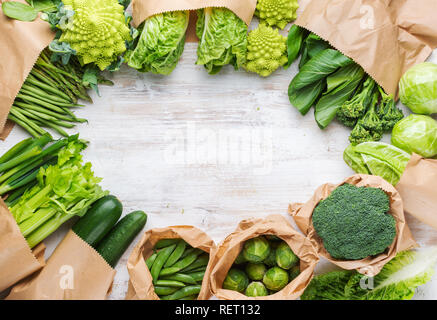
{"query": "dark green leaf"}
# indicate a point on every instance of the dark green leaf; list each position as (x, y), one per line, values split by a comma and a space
(312, 45)
(91, 77)
(295, 40)
(19, 11)
(303, 99)
(319, 67)
(329, 103)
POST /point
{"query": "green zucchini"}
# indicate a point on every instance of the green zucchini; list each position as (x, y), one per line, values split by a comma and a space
(98, 220)
(115, 243)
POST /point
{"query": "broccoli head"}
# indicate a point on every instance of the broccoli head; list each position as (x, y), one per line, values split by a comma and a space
(354, 223)
(357, 106)
(345, 120)
(360, 134)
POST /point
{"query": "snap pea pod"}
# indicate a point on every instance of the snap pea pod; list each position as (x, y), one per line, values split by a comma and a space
(150, 260)
(197, 276)
(160, 260)
(176, 254)
(181, 277)
(163, 291)
(183, 292)
(199, 269)
(165, 243)
(170, 283)
(187, 252)
(200, 262)
(181, 264)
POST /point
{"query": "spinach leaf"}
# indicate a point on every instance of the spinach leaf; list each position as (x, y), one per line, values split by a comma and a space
(330, 102)
(19, 11)
(319, 67)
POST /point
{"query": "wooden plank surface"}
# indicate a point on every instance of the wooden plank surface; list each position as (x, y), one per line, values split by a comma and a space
(209, 151)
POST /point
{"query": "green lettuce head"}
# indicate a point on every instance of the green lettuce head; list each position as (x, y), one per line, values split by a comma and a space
(416, 133)
(160, 44)
(418, 88)
(222, 39)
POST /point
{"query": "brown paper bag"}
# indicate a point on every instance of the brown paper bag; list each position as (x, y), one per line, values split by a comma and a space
(17, 260)
(140, 282)
(276, 225)
(20, 46)
(143, 9)
(385, 37)
(302, 214)
(75, 271)
(418, 189)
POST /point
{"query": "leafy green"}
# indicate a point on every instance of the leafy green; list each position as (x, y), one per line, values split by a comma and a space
(160, 44)
(303, 99)
(397, 280)
(222, 39)
(331, 101)
(377, 158)
(416, 133)
(295, 41)
(312, 46)
(19, 11)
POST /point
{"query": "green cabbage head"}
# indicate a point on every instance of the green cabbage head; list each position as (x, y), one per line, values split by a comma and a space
(98, 31)
(160, 44)
(222, 39)
(418, 88)
(416, 133)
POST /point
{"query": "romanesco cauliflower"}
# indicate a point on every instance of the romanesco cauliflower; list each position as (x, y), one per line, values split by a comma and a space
(266, 50)
(98, 32)
(277, 12)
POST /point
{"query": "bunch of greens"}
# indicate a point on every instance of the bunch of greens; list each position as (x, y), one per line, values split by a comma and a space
(338, 87)
(354, 222)
(276, 12)
(49, 92)
(377, 158)
(52, 185)
(222, 39)
(265, 266)
(177, 269)
(397, 280)
(160, 43)
(266, 50)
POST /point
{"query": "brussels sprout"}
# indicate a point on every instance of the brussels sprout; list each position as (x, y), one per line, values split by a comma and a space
(240, 259)
(418, 88)
(256, 289)
(256, 249)
(236, 280)
(275, 278)
(416, 133)
(293, 273)
(285, 257)
(256, 271)
(271, 259)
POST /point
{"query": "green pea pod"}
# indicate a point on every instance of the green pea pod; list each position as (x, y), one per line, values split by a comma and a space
(197, 276)
(165, 243)
(164, 291)
(182, 293)
(181, 277)
(150, 260)
(189, 251)
(160, 260)
(170, 283)
(177, 253)
(200, 262)
(181, 264)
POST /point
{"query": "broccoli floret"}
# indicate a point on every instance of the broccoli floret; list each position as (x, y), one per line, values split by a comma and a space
(388, 112)
(345, 120)
(360, 134)
(357, 106)
(370, 121)
(354, 223)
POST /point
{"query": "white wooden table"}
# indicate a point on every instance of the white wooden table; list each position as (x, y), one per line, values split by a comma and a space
(209, 151)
